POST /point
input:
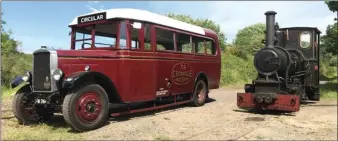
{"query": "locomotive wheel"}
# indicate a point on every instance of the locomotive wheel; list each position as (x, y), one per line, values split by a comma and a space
(200, 93)
(22, 108)
(311, 94)
(86, 108)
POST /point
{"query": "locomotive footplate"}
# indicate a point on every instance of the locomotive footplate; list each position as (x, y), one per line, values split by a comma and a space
(288, 103)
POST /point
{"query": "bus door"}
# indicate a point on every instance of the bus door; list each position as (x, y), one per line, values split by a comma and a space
(165, 54)
(142, 64)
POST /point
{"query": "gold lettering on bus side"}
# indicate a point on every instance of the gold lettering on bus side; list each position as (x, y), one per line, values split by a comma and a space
(181, 73)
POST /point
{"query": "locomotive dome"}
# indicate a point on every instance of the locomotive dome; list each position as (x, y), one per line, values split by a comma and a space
(141, 15)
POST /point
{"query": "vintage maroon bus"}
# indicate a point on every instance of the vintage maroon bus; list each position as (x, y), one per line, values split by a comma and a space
(120, 61)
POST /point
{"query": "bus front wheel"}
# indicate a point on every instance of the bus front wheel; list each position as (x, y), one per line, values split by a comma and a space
(86, 108)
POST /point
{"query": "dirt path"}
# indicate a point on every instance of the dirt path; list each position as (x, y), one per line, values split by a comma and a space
(220, 119)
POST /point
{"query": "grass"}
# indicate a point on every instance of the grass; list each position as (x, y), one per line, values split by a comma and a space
(55, 129)
(328, 73)
(329, 90)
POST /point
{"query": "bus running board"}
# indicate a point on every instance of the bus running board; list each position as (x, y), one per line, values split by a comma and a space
(150, 108)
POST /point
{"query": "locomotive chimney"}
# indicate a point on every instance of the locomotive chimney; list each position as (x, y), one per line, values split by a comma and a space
(270, 28)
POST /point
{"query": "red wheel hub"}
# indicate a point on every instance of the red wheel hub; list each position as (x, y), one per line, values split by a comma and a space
(88, 107)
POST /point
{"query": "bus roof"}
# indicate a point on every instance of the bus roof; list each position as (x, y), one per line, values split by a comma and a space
(143, 15)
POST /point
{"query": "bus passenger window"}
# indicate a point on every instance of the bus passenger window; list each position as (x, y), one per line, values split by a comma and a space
(147, 43)
(183, 43)
(210, 45)
(199, 45)
(123, 37)
(164, 40)
(134, 38)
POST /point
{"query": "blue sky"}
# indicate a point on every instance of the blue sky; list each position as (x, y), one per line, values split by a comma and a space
(46, 23)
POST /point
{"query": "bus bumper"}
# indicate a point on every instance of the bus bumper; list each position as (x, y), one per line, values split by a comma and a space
(287, 103)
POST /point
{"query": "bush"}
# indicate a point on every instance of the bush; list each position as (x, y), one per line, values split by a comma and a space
(236, 71)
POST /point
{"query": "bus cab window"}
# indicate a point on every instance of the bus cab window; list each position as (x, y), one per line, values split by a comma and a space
(183, 43)
(164, 40)
(86, 40)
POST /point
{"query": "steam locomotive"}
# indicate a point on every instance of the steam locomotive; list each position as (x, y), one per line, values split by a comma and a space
(288, 69)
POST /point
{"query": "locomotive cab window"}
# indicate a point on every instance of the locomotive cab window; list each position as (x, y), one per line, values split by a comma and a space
(305, 39)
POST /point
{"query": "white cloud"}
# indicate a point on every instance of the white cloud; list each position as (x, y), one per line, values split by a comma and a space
(92, 8)
(235, 15)
(92, 4)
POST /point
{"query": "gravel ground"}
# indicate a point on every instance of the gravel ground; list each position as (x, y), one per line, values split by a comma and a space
(220, 119)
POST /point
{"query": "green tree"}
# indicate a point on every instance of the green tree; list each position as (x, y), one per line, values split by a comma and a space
(333, 5)
(329, 40)
(206, 23)
(13, 62)
(249, 39)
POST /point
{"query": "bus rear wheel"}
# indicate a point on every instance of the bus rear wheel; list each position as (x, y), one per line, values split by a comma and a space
(86, 108)
(200, 93)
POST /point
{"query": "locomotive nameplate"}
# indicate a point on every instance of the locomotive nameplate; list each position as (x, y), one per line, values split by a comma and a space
(181, 73)
(91, 18)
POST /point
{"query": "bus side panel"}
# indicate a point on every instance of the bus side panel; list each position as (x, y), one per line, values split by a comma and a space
(210, 65)
(114, 68)
(174, 66)
(142, 82)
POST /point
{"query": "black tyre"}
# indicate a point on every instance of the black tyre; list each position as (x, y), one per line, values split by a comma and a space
(22, 108)
(86, 108)
(200, 93)
(312, 93)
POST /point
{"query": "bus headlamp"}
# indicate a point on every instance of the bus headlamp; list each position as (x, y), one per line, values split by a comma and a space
(57, 74)
(27, 77)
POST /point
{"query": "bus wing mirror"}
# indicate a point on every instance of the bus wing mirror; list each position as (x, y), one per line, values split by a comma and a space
(137, 25)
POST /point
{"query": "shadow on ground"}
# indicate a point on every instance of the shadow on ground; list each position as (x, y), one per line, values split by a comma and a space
(153, 112)
(265, 112)
(57, 121)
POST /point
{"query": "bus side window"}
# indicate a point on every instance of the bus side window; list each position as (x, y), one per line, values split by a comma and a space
(147, 43)
(123, 36)
(183, 43)
(134, 33)
(164, 40)
(198, 45)
(210, 45)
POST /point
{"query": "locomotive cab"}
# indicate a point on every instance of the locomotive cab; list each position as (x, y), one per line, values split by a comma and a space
(305, 40)
(288, 69)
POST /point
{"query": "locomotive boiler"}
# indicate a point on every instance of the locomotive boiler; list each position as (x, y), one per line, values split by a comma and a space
(288, 69)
